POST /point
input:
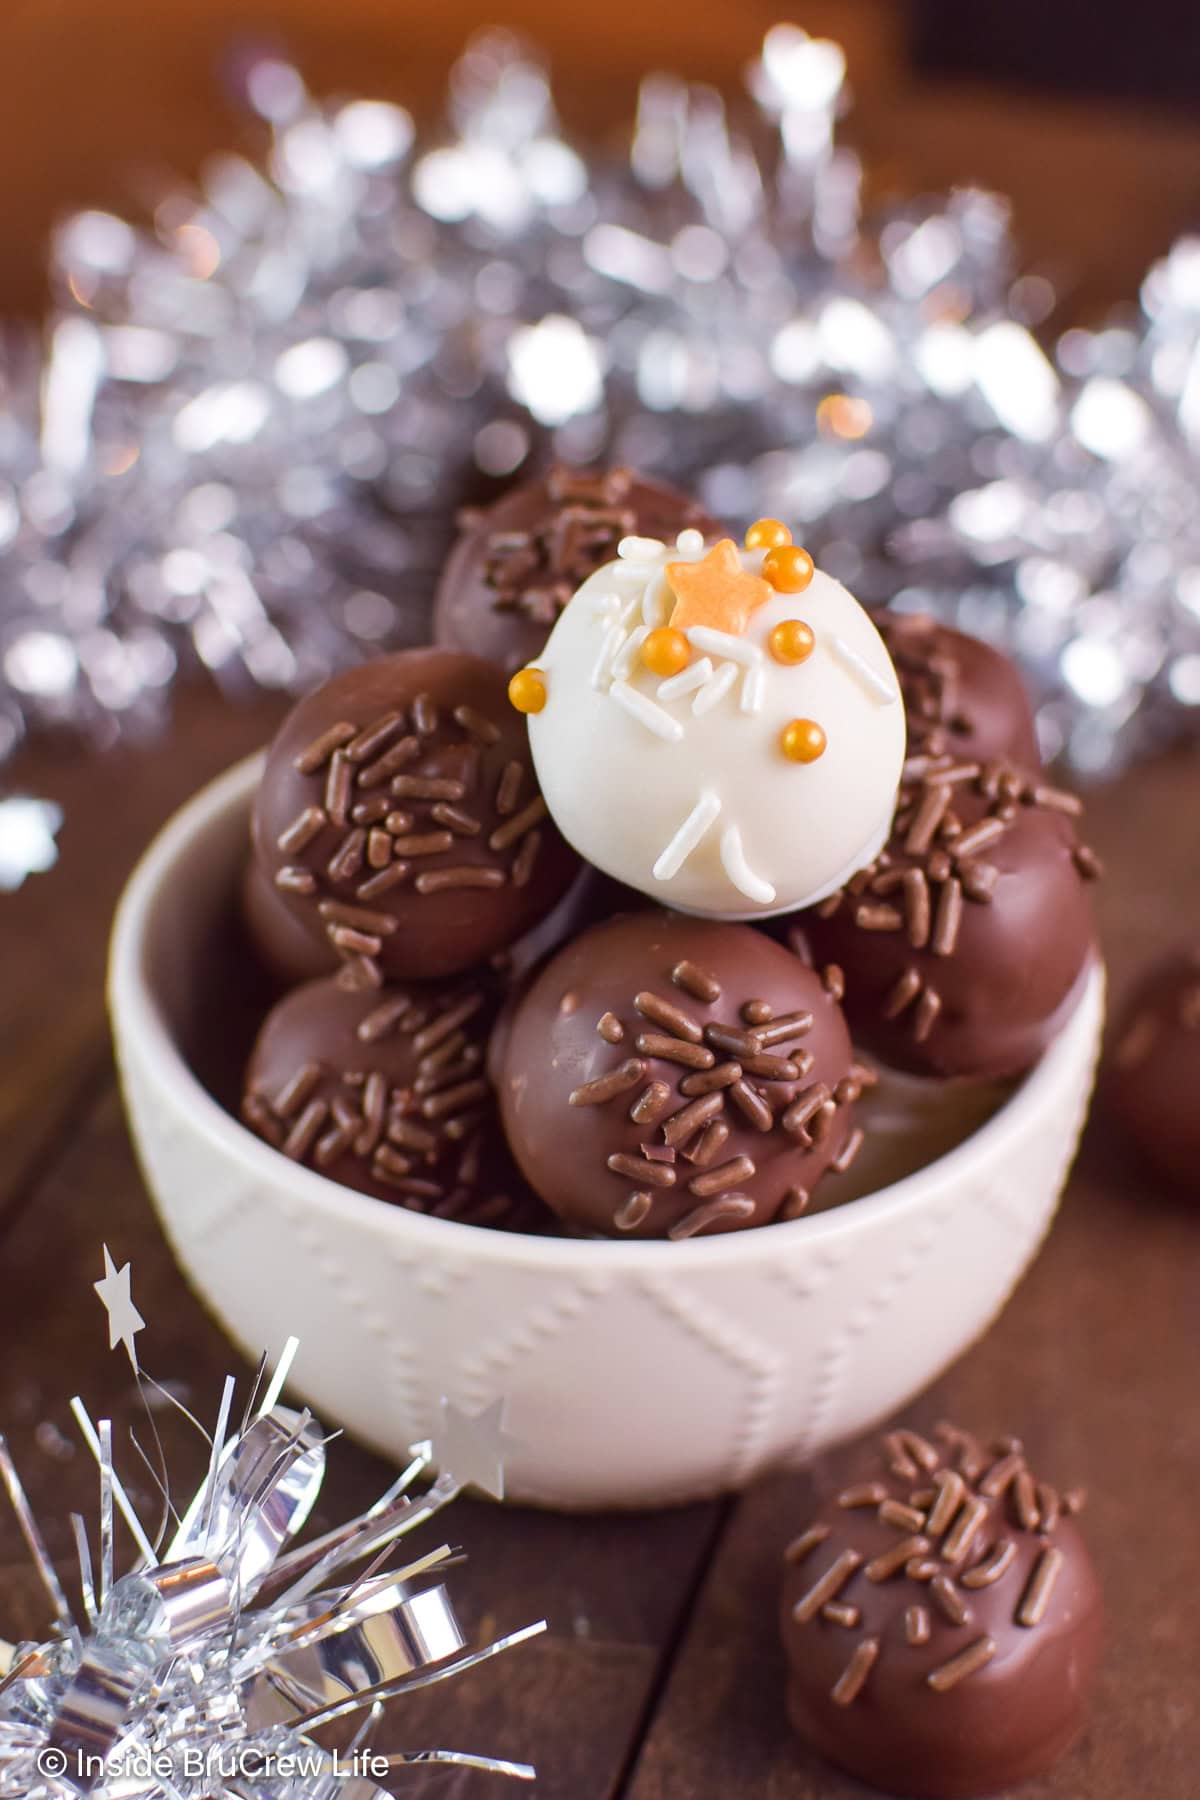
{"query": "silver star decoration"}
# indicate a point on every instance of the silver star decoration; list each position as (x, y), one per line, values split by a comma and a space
(27, 832)
(470, 1448)
(124, 1319)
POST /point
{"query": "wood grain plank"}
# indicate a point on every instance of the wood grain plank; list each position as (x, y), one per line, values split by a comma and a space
(612, 1588)
(1093, 1364)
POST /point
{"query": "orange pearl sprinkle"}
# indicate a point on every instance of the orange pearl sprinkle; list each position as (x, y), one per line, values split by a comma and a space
(802, 740)
(527, 690)
(791, 641)
(789, 569)
(666, 651)
(767, 534)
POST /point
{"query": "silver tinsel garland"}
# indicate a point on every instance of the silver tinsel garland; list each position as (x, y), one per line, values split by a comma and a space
(209, 1669)
(245, 438)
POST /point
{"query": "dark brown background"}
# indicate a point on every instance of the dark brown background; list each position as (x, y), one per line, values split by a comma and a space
(659, 1678)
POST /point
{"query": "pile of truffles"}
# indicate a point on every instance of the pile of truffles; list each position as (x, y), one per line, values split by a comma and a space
(597, 914)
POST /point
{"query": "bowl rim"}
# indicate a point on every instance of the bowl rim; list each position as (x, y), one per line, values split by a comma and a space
(138, 1019)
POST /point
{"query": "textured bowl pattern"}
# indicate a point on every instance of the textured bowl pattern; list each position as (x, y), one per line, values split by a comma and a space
(635, 1373)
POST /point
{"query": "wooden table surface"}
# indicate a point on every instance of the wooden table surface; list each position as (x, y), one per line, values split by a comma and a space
(660, 1676)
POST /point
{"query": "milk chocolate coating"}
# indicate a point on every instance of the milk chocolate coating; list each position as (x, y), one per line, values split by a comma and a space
(386, 1091)
(961, 1668)
(1152, 1072)
(282, 944)
(962, 697)
(400, 820)
(962, 945)
(666, 1017)
(516, 565)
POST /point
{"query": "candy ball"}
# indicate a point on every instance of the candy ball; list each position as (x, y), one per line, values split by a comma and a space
(400, 821)
(386, 1091)
(941, 1619)
(685, 785)
(673, 1077)
(964, 942)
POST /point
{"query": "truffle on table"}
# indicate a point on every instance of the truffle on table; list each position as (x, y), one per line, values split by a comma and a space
(672, 1077)
(1152, 1076)
(517, 562)
(962, 697)
(963, 942)
(941, 1619)
(386, 1091)
(400, 822)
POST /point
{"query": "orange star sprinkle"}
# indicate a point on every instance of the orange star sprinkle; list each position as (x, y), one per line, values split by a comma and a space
(716, 591)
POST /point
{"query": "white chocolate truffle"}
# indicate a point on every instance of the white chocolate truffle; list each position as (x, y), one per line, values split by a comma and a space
(756, 770)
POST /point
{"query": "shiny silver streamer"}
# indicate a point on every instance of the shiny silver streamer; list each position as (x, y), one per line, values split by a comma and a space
(206, 1673)
(244, 438)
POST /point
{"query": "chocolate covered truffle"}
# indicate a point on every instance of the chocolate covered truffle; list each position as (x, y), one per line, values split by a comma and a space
(517, 563)
(942, 1620)
(386, 1091)
(963, 942)
(400, 821)
(1152, 1079)
(668, 1077)
(718, 727)
(962, 697)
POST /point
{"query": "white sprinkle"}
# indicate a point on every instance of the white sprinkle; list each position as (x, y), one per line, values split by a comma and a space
(641, 707)
(658, 599)
(604, 605)
(753, 688)
(627, 655)
(733, 861)
(640, 549)
(691, 541)
(884, 691)
(715, 689)
(723, 643)
(694, 676)
(688, 836)
(614, 637)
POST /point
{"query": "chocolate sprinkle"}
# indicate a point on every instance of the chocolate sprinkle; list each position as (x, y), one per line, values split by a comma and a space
(317, 754)
(995, 1564)
(967, 1662)
(637, 1168)
(607, 1087)
(851, 1681)
(724, 1206)
(827, 1587)
(949, 1600)
(671, 1017)
(1036, 1597)
(632, 1211)
(696, 982)
(863, 1493)
(669, 1049)
(651, 1103)
(801, 1546)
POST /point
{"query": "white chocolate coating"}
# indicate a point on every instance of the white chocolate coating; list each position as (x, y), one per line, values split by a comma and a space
(678, 786)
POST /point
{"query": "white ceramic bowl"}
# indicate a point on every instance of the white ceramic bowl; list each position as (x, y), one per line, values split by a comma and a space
(635, 1373)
